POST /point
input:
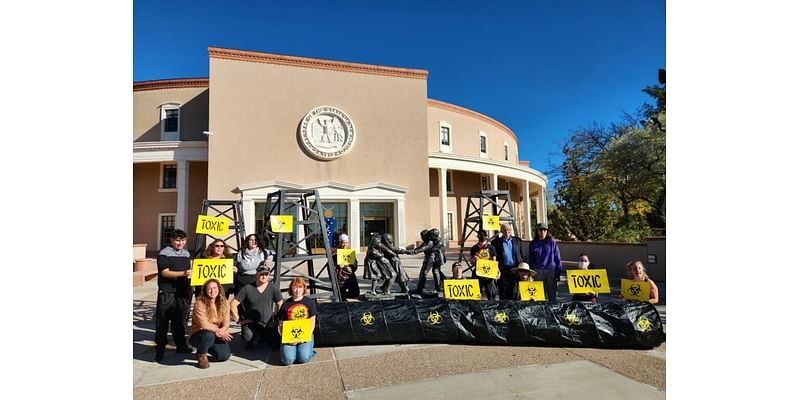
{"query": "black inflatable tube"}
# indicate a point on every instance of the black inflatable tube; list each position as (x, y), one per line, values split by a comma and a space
(634, 325)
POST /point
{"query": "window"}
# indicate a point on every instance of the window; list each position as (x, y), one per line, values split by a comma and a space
(166, 224)
(484, 183)
(170, 122)
(444, 137)
(483, 145)
(505, 151)
(449, 225)
(169, 176)
(449, 182)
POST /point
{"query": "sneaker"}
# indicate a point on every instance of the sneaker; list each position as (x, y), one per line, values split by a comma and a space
(183, 349)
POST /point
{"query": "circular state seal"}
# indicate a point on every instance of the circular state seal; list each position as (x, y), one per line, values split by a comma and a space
(327, 133)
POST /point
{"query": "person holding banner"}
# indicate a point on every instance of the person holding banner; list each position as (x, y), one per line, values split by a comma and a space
(297, 307)
(210, 322)
(639, 274)
(457, 271)
(215, 251)
(346, 273)
(545, 258)
(509, 255)
(174, 294)
(257, 305)
(483, 250)
(523, 273)
(584, 263)
(250, 257)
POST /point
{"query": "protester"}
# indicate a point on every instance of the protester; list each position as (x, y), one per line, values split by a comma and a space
(509, 255)
(484, 251)
(210, 321)
(545, 259)
(584, 263)
(523, 273)
(457, 271)
(250, 256)
(215, 251)
(346, 273)
(174, 294)
(253, 308)
(639, 274)
(298, 306)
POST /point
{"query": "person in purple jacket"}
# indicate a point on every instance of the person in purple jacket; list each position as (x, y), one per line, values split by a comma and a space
(545, 259)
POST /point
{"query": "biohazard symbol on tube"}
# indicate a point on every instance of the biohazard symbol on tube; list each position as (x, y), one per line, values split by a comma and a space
(296, 332)
(644, 324)
(572, 319)
(434, 318)
(367, 319)
(501, 317)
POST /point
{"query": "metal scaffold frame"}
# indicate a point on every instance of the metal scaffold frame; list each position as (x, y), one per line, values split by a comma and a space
(231, 209)
(498, 202)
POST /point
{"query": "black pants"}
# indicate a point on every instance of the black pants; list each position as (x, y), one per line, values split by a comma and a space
(488, 287)
(506, 284)
(548, 278)
(349, 288)
(207, 343)
(171, 312)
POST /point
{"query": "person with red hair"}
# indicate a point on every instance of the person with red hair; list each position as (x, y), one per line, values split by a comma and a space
(298, 306)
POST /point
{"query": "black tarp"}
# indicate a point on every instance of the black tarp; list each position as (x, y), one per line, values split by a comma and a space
(605, 325)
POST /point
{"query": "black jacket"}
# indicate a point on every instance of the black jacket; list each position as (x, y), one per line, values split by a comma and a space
(516, 247)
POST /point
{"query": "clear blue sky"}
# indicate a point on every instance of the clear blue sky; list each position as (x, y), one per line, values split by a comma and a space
(542, 68)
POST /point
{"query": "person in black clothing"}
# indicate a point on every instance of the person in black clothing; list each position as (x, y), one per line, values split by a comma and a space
(253, 307)
(174, 294)
(484, 251)
(584, 263)
(346, 273)
(509, 255)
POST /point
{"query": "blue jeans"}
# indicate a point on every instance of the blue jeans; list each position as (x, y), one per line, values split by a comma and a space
(208, 343)
(301, 353)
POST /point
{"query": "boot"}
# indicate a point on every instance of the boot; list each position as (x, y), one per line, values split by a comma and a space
(202, 361)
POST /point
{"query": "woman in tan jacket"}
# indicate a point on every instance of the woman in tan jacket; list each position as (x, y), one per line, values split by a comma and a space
(210, 322)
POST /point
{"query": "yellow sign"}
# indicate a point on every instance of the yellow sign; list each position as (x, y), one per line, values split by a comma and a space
(220, 269)
(588, 281)
(462, 289)
(296, 330)
(345, 256)
(531, 290)
(486, 269)
(282, 223)
(491, 222)
(211, 225)
(635, 290)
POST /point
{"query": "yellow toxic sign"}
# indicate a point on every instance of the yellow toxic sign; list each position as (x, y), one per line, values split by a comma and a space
(296, 330)
(491, 222)
(211, 225)
(635, 290)
(486, 269)
(462, 289)
(281, 223)
(367, 319)
(531, 290)
(501, 317)
(588, 281)
(434, 318)
(220, 269)
(345, 256)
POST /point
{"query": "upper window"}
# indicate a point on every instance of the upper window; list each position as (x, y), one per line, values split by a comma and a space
(484, 182)
(444, 137)
(449, 182)
(505, 151)
(483, 147)
(170, 122)
(169, 176)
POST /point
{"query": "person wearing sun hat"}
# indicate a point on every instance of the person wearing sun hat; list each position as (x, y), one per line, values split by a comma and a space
(523, 273)
(545, 258)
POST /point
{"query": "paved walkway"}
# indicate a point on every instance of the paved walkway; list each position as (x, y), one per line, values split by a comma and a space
(429, 371)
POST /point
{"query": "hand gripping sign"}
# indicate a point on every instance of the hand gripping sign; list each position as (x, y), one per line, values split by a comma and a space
(588, 281)
(211, 225)
(220, 269)
(531, 290)
(486, 269)
(491, 222)
(282, 223)
(345, 256)
(296, 330)
(462, 289)
(635, 290)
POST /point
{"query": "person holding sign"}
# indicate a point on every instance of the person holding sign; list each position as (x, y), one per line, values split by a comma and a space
(457, 271)
(509, 255)
(218, 250)
(639, 274)
(257, 305)
(584, 263)
(250, 257)
(210, 322)
(174, 294)
(483, 250)
(346, 272)
(545, 258)
(523, 273)
(297, 307)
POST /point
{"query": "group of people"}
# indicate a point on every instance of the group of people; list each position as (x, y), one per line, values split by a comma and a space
(252, 307)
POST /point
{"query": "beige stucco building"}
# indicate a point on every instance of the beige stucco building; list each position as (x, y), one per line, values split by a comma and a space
(380, 152)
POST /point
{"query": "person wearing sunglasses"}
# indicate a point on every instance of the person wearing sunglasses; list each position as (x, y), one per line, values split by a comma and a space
(219, 250)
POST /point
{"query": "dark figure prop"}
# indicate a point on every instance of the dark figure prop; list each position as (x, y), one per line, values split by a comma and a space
(391, 253)
(376, 266)
(434, 259)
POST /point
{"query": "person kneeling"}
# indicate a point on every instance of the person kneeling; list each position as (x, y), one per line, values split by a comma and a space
(210, 322)
(297, 307)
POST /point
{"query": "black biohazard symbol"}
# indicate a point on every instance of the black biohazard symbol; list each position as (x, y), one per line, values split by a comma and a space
(644, 324)
(486, 269)
(296, 332)
(367, 319)
(299, 313)
(531, 291)
(501, 317)
(572, 319)
(434, 318)
(634, 290)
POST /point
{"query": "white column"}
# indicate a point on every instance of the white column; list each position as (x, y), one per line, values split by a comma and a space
(400, 223)
(443, 199)
(301, 235)
(249, 216)
(181, 217)
(354, 224)
(526, 201)
(494, 182)
(541, 209)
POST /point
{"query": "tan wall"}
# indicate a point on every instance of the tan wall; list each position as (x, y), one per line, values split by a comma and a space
(261, 105)
(147, 113)
(198, 178)
(465, 137)
(148, 202)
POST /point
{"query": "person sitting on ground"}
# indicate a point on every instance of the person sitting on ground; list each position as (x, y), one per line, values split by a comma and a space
(523, 273)
(457, 271)
(639, 273)
(210, 321)
(346, 273)
(257, 305)
(298, 306)
(584, 263)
